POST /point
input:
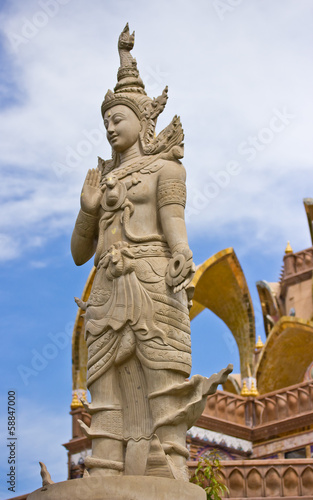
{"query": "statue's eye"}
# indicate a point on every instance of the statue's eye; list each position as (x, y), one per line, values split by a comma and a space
(105, 124)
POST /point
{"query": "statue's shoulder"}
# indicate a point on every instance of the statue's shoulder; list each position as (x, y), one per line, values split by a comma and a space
(166, 169)
(172, 170)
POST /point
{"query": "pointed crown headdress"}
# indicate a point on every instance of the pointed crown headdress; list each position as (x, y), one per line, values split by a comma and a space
(130, 91)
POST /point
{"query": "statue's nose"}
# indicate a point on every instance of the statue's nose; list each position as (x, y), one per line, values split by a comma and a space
(110, 128)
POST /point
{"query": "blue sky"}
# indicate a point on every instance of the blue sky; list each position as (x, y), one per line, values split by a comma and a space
(239, 75)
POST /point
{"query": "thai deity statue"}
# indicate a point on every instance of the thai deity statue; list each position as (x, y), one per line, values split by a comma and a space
(137, 326)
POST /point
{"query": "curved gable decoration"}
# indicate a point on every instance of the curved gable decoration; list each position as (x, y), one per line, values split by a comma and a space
(286, 354)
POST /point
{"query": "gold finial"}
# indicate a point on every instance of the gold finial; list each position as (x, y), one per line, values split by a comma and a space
(288, 248)
(259, 343)
(75, 402)
(245, 391)
(253, 391)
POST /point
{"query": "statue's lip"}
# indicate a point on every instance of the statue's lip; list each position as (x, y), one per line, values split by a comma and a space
(113, 138)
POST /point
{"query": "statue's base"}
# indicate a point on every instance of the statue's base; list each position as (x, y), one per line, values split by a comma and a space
(120, 488)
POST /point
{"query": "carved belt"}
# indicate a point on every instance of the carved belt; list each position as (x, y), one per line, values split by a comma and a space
(152, 249)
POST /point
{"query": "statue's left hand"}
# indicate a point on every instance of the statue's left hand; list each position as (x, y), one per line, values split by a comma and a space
(91, 193)
(181, 270)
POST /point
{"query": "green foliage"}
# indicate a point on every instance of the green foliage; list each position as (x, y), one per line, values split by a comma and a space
(208, 476)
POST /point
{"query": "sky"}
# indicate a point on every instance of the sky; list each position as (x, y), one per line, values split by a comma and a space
(239, 74)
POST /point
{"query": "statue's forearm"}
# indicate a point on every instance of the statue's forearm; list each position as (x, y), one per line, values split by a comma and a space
(171, 200)
(84, 238)
(174, 227)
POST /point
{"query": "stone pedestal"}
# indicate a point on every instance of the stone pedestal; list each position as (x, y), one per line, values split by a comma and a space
(120, 488)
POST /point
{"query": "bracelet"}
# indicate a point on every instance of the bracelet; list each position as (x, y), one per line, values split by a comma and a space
(179, 247)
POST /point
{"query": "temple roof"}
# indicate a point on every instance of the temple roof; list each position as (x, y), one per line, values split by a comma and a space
(286, 355)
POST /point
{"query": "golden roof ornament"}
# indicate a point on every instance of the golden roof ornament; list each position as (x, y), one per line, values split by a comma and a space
(288, 248)
(75, 402)
(259, 343)
(253, 391)
(245, 391)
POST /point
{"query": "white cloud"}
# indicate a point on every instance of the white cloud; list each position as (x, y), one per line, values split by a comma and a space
(8, 248)
(38, 264)
(225, 78)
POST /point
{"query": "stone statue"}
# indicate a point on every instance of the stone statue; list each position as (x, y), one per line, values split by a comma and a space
(137, 324)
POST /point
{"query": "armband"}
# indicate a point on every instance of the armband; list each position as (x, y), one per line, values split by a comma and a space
(85, 224)
(171, 191)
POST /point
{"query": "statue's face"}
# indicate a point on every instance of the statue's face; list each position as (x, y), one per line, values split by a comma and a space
(122, 127)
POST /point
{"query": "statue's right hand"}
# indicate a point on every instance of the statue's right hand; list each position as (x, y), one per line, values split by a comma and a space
(91, 193)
